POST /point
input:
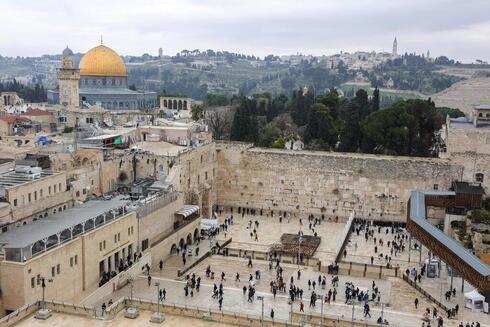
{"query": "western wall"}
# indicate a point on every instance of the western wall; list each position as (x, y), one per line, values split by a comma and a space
(325, 183)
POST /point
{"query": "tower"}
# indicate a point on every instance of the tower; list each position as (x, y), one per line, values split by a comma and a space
(394, 52)
(68, 80)
(160, 52)
(428, 55)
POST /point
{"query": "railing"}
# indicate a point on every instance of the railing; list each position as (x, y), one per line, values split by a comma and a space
(424, 292)
(366, 270)
(119, 280)
(207, 254)
(345, 236)
(149, 206)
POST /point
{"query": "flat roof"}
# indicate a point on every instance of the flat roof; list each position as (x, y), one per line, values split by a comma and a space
(417, 215)
(26, 235)
(13, 178)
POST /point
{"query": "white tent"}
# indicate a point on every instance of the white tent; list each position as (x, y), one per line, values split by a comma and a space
(207, 224)
(474, 301)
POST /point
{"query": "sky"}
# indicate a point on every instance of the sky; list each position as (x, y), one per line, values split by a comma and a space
(455, 28)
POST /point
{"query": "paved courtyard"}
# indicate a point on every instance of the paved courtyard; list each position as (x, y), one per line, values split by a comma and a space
(397, 297)
(270, 230)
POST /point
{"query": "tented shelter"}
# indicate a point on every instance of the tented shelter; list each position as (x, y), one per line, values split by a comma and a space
(474, 301)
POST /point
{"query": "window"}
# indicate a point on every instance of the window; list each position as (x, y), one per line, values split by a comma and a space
(76, 259)
(54, 188)
(52, 271)
(84, 191)
(118, 237)
(71, 262)
(78, 194)
(206, 175)
(213, 172)
(115, 238)
(129, 231)
(89, 120)
(41, 192)
(132, 231)
(59, 186)
(144, 245)
(33, 282)
(479, 177)
(58, 268)
(104, 244)
(15, 202)
(38, 279)
(198, 179)
(436, 187)
(29, 197)
(92, 182)
(100, 246)
(49, 190)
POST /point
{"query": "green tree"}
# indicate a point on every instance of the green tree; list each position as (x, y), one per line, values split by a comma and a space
(406, 128)
(375, 100)
(321, 126)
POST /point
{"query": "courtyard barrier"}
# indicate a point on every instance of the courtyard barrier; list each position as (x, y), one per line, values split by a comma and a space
(424, 292)
(366, 270)
(345, 236)
(264, 255)
(206, 255)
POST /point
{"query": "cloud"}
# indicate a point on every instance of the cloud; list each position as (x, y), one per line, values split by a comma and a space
(451, 27)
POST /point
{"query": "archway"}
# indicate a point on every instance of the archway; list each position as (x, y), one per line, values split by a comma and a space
(181, 243)
(180, 105)
(175, 104)
(173, 249)
(165, 103)
(37, 247)
(189, 239)
(65, 236)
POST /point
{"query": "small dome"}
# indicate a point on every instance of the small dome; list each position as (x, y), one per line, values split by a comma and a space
(67, 52)
(102, 61)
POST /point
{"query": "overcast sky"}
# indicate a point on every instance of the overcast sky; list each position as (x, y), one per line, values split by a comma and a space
(459, 29)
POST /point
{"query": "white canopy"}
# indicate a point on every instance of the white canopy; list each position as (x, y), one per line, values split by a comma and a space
(474, 296)
(209, 223)
(474, 301)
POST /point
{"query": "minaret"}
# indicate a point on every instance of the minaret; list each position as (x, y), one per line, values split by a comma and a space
(394, 52)
(68, 80)
(428, 55)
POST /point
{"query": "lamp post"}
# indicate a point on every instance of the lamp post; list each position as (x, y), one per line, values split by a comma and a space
(157, 284)
(130, 281)
(43, 286)
(261, 298)
(322, 298)
(300, 240)
(353, 304)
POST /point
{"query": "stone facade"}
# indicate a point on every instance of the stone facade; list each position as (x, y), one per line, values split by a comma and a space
(74, 267)
(332, 184)
(470, 148)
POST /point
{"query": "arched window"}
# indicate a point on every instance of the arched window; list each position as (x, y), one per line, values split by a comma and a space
(479, 177)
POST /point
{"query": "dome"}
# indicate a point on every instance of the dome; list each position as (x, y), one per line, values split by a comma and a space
(102, 61)
(67, 52)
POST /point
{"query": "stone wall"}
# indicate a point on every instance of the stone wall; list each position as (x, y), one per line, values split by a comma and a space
(332, 184)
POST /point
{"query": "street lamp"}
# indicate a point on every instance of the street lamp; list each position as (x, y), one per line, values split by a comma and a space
(157, 317)
(300, 240)
(44, 313)
(322, 298)
(261, 298)
(353, 305)
(131, 312)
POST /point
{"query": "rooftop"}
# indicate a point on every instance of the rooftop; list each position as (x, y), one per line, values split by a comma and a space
(42, 229)
(13, 178)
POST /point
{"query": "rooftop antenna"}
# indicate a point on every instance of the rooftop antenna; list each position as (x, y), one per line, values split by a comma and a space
(101, 40)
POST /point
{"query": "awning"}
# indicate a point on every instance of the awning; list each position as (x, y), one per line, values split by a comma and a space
(187, 210)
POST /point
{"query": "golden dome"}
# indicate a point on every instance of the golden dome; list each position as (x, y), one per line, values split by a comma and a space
(102, 61)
